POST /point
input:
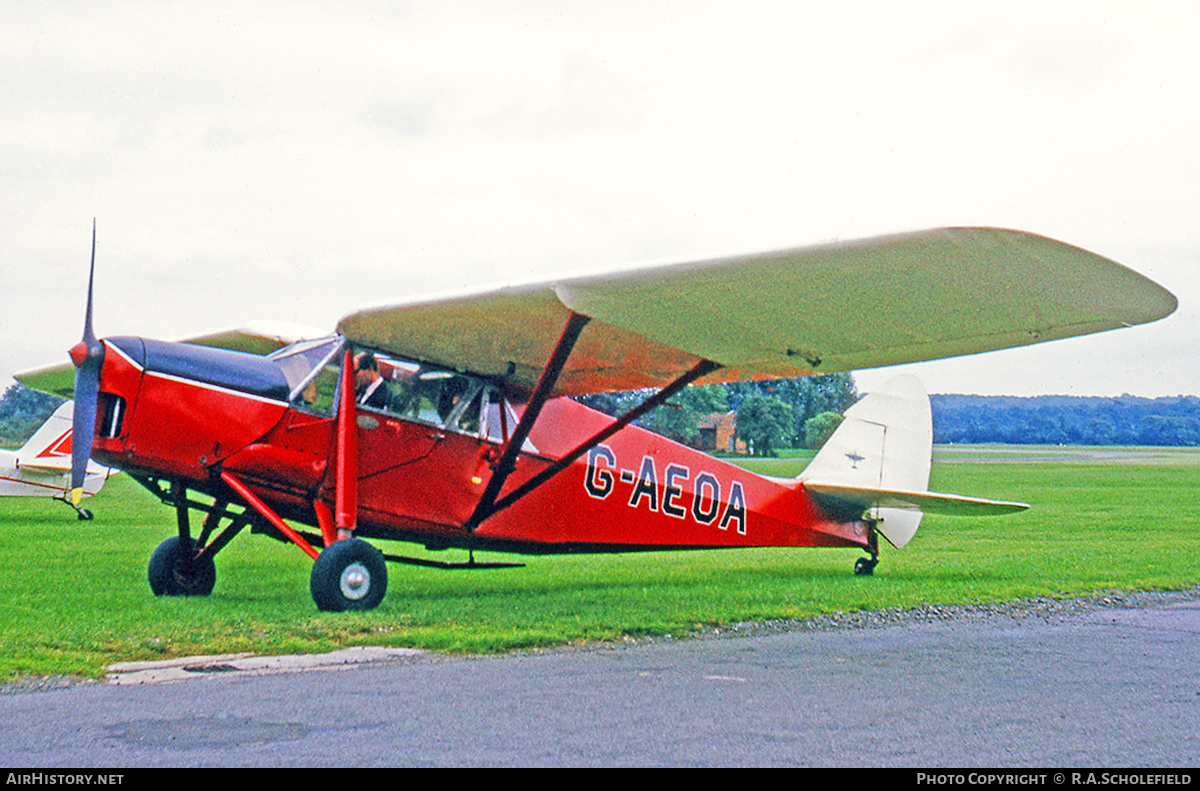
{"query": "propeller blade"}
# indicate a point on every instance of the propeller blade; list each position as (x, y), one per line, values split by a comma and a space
(88, 356)
(83, 426)
(88, 335)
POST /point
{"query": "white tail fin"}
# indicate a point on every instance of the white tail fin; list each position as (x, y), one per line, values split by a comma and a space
(879, 459)
(885, 440)
(43, 464)
(50, 446)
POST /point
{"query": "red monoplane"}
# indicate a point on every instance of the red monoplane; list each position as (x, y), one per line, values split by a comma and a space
(448, 421)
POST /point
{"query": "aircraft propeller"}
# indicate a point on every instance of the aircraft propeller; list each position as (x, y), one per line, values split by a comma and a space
(88, 356)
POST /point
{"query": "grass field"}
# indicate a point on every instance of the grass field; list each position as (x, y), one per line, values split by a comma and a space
(74, 596)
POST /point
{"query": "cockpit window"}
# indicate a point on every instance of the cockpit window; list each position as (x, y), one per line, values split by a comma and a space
(418, 391)
(311, 369)
(395, 386)
(437, 396)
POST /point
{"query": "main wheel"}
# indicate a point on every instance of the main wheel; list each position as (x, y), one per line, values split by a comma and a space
(349, 574)
(173, 572)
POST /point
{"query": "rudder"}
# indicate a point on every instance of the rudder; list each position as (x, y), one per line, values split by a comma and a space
(885, 443)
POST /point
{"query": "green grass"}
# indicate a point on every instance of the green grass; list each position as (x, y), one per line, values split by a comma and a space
(74, 596)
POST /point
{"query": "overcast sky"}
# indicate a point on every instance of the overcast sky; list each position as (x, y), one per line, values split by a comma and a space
(295, 160)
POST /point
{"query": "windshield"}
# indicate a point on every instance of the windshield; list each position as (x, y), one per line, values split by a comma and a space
(306, 365)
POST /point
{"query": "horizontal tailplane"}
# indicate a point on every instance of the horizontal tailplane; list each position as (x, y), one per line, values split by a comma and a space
(878, 461)
(929, 502)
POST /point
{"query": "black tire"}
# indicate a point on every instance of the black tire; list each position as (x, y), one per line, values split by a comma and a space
(865, 567)
(349, 574)
(172, 572)
(85, 515)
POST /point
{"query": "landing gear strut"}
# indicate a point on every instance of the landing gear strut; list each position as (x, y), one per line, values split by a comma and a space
(865, 567)
(183, 565)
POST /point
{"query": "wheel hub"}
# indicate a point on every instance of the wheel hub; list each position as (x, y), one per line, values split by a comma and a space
(355, 581)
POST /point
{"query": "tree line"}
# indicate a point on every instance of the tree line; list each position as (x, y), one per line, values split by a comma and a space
(1066, 420)
(771, 415)
(22, 411)
(802, 413)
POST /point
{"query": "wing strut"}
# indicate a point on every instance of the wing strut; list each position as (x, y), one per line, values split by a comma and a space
(541, 393)
(346, 465)
(699, 369)
(488, 503)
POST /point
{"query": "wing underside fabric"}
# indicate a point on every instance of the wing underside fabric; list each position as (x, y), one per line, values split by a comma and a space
(824, 309)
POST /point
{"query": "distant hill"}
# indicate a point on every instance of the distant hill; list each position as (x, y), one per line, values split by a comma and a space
(1066, 420)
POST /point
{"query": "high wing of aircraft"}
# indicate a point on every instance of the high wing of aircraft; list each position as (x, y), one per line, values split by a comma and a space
(447, 421)
(836, 307)
(42, 467)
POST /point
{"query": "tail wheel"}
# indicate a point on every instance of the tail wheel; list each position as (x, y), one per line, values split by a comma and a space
(175, 572)
(349, 574)
(865, 567)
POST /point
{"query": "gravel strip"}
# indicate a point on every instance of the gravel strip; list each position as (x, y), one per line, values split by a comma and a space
(1044, 608)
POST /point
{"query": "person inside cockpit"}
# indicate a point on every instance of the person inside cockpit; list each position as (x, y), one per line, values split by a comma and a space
(371, 389)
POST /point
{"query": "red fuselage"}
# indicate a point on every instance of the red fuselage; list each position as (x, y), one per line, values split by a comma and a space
(185, 414)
